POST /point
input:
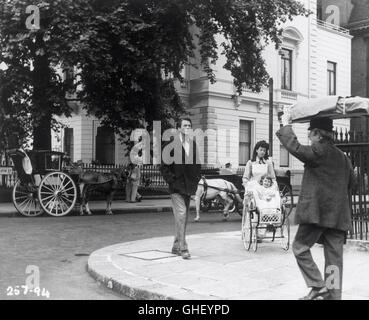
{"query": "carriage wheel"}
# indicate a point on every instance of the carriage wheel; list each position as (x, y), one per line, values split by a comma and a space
(285, 232)
(205, 205)
(232, 208)
(246, 230)
(25, 200)
(286, 193)
(57, 194)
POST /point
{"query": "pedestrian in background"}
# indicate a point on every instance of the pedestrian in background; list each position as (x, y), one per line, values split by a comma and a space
(133, 179)
(323, 212)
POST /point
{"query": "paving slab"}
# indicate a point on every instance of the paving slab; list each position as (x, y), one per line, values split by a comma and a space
(220, 268)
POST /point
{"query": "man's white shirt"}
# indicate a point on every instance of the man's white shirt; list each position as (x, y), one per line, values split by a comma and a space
(185, 143)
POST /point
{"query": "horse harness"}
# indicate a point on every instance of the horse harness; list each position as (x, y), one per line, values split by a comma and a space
(206, 186)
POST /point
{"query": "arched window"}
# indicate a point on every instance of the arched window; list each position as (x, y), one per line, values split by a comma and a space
(291, 39)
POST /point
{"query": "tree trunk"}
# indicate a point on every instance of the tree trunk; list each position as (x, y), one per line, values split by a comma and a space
(41, 101)
(42, 134)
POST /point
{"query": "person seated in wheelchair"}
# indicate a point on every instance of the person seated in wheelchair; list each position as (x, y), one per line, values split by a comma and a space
(267, 194)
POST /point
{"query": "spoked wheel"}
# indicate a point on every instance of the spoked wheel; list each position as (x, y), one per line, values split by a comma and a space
(246, 229)
(205, 205)
(232, 208)
(254, 233)
(57, 194)
(25, 200)
(285, 191)
(285, 233)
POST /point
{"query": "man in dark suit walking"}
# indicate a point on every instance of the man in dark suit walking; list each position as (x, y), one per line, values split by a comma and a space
(182, 176)
(323, 212)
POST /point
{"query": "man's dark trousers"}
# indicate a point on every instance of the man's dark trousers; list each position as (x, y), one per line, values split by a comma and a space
(332, 240)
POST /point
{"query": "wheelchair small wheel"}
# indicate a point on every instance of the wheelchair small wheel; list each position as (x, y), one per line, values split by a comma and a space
(246, 230)
(285, 234)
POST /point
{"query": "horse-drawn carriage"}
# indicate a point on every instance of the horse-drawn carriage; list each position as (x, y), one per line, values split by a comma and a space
(46, 184)
(42, 185)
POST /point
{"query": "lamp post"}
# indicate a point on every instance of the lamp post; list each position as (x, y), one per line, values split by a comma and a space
(271, 116)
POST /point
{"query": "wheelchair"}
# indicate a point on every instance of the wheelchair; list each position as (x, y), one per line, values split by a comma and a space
(273, 221)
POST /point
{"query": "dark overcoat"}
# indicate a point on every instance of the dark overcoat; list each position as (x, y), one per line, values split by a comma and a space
(184, 174)
(328, 175)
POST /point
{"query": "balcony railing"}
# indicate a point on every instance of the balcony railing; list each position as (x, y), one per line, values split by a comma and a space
(285, 94)
(333, 27)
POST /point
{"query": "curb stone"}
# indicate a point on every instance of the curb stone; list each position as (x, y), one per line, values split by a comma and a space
(134, 293)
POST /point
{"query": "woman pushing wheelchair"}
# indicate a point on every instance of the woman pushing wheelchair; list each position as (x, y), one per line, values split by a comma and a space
(259, 166)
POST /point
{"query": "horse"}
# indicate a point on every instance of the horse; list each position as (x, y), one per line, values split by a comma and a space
(102, 182)
(106, 182)
(208, 189)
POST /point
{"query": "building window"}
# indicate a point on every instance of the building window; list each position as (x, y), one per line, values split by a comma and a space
(105, 146)
(69, 142)
(331, 78)
(286, 72)
(244, 142)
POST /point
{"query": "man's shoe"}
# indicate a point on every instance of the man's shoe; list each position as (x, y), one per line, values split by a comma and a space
(176, 251)
(185, 255)
(317, 294)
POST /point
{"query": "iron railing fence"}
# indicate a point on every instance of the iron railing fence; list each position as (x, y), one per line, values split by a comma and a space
(356, 146)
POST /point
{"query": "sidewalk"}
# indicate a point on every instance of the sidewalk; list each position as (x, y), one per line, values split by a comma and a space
(220, 268)
(159, 204)
(148, 204)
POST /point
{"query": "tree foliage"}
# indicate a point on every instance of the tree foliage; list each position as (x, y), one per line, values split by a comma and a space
(133, 43)
(32, 89)
(129, 53)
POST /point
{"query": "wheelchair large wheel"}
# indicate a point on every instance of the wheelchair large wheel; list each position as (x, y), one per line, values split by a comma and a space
(57, 194)
(285, 233)
(286, 195)
(254, 232)
(25, 200)
(246, 230)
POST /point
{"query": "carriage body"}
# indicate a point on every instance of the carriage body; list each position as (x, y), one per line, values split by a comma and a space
(42, 185)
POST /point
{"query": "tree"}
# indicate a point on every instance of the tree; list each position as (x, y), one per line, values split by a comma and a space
(129, 54)
(136, 49)
(37, 40)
